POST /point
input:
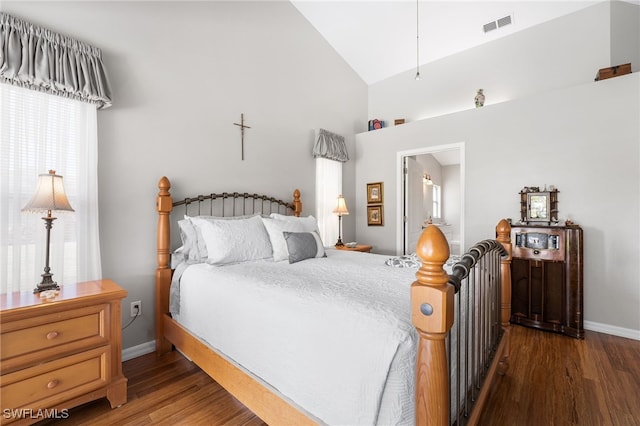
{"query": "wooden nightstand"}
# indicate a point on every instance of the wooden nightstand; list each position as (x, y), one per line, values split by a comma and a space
(360, 247)
(61, 353)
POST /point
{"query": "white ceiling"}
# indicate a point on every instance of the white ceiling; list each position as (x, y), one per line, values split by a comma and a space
(378, 37)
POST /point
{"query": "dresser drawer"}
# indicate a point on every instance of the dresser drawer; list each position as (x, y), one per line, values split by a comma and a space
(49, 384)
(37, 339)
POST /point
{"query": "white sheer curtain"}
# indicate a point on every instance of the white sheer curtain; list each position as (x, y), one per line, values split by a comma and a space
(328, 188)
(330, 151)
(41, 132)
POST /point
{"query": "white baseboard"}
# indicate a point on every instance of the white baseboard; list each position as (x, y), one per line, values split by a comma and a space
(139, 350)
(629, 333)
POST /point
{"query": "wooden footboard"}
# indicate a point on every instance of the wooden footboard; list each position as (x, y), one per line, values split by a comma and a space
(432, 312)
(432, 304)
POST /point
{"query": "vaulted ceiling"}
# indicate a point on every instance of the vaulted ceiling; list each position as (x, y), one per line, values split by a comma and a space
(378, 38)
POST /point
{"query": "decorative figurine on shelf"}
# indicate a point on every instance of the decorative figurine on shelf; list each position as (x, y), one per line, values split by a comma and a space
(479, 99)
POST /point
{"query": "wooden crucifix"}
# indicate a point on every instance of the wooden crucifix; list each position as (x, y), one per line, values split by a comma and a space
(242, 127)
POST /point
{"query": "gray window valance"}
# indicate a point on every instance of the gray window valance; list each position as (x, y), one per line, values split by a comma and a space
(39, 59)
(331, 146)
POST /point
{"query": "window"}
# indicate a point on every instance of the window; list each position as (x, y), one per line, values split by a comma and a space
(437, 201)
(328, 188)
(40, 132)
(330, 151)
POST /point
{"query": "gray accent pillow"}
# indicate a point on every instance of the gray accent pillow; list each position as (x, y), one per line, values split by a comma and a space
(303, 245)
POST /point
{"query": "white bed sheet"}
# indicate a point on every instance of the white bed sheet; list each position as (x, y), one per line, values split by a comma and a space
(332, 334)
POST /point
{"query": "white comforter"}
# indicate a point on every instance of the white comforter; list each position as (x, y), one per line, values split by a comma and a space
(332, 334)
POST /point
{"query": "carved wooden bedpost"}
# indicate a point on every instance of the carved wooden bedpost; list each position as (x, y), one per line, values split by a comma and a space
(432, 314)
(297, 204)
(503, 235)
(163, 273)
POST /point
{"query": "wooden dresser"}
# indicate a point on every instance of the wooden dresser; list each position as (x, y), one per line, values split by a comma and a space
(58, 354)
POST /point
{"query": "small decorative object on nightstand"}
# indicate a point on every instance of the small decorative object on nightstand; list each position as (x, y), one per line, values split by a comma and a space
(61, 351)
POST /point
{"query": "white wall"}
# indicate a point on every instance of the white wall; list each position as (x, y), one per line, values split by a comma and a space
(559, 53)
(583, 139)
(625, 34)
(182, 73)
(559, 128)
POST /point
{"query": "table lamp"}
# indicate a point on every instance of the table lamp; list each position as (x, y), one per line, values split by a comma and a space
(340, 210)
(49, 196)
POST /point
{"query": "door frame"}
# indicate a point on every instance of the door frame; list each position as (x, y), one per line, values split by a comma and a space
(401, 189)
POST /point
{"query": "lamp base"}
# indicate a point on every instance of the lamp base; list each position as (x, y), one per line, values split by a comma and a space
(47, 283)
(339, 243)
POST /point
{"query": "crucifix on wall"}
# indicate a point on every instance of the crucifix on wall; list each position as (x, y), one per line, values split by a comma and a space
(242, 127)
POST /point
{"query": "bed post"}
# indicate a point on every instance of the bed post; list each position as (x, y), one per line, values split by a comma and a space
(163, 272)
(503, 235)
(297, 204)
(432, 314)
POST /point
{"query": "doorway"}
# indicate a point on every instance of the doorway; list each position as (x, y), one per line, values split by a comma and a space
(432, 189)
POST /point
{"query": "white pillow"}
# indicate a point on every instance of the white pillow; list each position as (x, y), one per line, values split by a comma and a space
(189, 238)
(309, 223)
(195, 248)
(276, 229)
(232, 241)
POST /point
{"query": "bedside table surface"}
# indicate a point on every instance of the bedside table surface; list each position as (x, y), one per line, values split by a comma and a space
(80, 291)
(359, 247)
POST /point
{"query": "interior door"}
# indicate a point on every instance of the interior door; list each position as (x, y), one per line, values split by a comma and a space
(414, 204)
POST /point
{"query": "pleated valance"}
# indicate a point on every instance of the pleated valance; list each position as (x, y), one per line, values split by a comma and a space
(40, 59)
(331, 146)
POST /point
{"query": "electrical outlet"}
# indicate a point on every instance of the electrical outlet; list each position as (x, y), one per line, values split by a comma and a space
(136, 308)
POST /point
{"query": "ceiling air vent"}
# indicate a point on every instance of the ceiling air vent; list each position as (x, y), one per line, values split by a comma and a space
(499, 23)
(490, 26)
(504, 21)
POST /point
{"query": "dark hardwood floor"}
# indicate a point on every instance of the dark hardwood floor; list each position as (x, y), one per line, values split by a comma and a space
(552, 380)
(558, 380)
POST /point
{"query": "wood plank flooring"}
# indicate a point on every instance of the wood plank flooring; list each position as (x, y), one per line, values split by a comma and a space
(552, 380)
(558, 380)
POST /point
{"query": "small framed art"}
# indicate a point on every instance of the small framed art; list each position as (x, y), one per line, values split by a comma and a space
(375, 193)
(375, 215)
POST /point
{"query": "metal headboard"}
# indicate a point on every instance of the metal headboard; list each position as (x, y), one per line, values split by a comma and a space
(234, 204)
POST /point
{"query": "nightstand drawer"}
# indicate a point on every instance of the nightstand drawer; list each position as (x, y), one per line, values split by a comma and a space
(34, 339)
(48, 384)
(62, 352)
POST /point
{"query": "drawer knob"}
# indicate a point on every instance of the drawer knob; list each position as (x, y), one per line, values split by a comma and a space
(52, 335)
(52, 384)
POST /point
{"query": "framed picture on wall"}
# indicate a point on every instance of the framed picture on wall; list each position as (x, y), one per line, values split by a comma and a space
(375, 193)
(375, 215)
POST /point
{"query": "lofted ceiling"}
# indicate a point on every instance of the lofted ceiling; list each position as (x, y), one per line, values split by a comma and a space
(377, 38)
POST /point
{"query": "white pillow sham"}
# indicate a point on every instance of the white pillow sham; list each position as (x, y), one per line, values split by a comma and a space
(276, 229)
(194, 248)
(232, 241)
(309, 222)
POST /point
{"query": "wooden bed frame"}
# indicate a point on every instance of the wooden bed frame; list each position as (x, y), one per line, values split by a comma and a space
(431, 293)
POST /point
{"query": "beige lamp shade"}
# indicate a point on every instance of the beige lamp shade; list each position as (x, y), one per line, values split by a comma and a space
(49, 195)
(341, 207)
